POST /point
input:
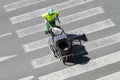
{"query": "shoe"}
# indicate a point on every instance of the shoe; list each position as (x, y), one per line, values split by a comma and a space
(46, 32)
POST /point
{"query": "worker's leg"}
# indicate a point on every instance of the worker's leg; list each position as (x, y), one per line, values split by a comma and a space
(47, 28)
(48, 25)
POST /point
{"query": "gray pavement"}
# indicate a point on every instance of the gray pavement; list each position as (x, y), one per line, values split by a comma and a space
(19, 66)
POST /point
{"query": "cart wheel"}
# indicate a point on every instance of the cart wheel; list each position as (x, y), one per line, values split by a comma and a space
(64, 60)
(72, 55)
(51, 47)
(55, 54)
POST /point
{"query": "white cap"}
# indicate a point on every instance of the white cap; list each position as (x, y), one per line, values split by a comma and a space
(50, 11)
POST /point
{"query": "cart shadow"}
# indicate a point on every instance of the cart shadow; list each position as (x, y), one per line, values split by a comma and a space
(80, 53)
(78, 37)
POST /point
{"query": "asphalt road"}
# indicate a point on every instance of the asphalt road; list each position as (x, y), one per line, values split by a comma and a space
(24, 54)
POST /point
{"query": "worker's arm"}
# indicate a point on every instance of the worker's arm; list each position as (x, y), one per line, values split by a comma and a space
(43, 16)
(57, 18)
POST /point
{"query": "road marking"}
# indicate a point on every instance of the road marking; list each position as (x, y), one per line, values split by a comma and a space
(37, 13)
(30, 30)
(28, 78)
(103, 42)
(93, 27)
(64, 20)
(86, 29)
(7, 34)
(80, 69)
(20, 4)
(106, 41)
(43, 61)
(109, 40)
(6, 58)
(35, 45)
(114, 76)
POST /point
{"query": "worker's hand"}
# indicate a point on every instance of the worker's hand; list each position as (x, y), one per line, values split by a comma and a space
(45, 20)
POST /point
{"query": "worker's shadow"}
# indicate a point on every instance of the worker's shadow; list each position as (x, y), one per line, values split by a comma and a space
(79, 50)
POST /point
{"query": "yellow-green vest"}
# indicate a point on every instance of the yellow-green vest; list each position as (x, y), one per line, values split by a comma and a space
(50, 17)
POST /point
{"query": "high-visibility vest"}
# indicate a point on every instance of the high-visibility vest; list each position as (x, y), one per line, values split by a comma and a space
(50, 17)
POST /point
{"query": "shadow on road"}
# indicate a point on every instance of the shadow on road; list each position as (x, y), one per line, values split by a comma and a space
(80, 53)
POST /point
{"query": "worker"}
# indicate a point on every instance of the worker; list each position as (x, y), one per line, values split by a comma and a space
(50, 19)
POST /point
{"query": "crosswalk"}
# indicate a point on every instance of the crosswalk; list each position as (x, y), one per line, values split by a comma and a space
(64, 20)
(20, 4)
(38, 13)
(91, 28)
(114, 76)
(87, 29)
(78, 69)
(49, 59)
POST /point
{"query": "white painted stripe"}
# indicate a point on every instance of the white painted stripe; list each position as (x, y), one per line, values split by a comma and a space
(6, 58)
(114, 76)
(93, 27)
(27, 78)
(35, 45)
(37, 13)
(40, 62)
(64, 20)
(30, 30)
(43, 61)
(80, 69)
(20, 4)
(86, 29)
(109, 40)
(7, 34)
